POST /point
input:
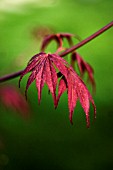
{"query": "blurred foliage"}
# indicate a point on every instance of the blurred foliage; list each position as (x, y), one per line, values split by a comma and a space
(47, 140)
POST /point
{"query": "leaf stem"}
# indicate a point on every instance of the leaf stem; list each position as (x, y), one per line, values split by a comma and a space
(75, 47)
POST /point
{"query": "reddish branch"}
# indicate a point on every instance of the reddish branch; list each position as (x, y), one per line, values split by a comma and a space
(10, 76)
(85, 41)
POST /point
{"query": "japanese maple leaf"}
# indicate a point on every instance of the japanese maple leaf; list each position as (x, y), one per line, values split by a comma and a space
(76, 90)
(43, 67)
(58, 38)
(12, 98)
(47, 68)
(83, 67)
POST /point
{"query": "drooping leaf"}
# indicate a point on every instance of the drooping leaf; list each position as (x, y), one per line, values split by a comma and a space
(48, 68)
(59, 40)
(43, 67)
(78, 90)
(83, 67)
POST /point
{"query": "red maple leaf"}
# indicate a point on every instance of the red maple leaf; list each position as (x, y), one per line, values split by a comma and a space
(83, 67)
(12, 98)
(58, 38)
(76, 90)
(44, 70)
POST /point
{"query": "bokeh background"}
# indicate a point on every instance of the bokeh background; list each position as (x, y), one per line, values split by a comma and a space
(47, 140)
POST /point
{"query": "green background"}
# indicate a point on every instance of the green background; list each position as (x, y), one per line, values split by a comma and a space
(47, 140)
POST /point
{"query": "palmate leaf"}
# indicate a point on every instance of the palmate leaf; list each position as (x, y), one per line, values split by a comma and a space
(43, 70)
(48, 68)
(76, 91)
(83, 67)
(59, 40)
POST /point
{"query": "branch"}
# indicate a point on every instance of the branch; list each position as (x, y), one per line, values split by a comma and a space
(10, 76)
(85, 41)
(75, 47)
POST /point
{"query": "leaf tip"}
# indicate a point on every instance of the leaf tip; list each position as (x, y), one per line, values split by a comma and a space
(70, 118)
(87, 120)
(88, 125)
